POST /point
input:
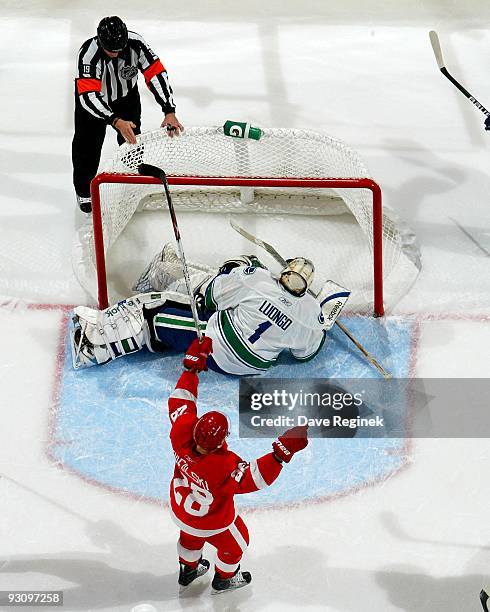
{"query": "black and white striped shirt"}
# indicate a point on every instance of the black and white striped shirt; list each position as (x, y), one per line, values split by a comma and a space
(101, 80)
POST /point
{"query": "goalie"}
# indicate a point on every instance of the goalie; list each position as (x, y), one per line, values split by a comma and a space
(250, 315)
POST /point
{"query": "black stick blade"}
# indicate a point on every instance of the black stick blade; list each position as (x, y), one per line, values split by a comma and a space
(149, 170)
(484, 599)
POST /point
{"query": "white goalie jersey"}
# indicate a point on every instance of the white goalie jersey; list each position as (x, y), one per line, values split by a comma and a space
(256, 318)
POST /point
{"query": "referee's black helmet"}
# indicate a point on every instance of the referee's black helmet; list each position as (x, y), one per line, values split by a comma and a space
(112, 34)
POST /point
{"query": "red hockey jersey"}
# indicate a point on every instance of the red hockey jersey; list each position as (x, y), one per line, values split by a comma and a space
(203, 486)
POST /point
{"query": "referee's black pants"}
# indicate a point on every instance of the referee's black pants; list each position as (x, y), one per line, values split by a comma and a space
(89, 138)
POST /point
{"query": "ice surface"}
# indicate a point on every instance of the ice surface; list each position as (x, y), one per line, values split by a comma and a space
(110, 424)
(364, 72)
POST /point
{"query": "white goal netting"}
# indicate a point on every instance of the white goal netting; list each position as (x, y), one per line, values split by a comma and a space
(333, 227)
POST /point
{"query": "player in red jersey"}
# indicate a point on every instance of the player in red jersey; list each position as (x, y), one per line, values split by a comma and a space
(208, 475)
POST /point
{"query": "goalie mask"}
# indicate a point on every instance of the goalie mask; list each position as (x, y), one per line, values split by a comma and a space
(297, 276)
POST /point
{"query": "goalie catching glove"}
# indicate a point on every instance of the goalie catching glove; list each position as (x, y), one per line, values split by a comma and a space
(197, 354)
(291, 442)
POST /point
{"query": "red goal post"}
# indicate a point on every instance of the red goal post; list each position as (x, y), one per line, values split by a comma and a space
(212, 181)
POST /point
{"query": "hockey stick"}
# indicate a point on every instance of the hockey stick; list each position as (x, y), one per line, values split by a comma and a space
(149, 170)
(484, 599)
(272, 251)
(436, 47)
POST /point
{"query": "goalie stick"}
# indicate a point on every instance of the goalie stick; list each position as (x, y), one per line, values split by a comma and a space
(436, 47)
(149, 170)
(272, 251)
(484, 599)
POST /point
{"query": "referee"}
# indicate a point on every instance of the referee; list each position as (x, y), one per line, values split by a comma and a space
(106, 93)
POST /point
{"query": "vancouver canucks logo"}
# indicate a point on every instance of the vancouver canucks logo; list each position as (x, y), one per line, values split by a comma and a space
(128, 72)
(249, 270)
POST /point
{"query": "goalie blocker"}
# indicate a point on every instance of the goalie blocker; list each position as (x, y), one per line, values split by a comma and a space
(250, 316)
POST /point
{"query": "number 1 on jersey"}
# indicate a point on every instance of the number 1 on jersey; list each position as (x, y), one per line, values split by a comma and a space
(264, 326)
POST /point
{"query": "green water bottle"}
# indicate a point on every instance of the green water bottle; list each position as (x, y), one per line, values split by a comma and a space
(240, 129)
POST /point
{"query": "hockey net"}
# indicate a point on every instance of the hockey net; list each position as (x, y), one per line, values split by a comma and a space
(304, 192)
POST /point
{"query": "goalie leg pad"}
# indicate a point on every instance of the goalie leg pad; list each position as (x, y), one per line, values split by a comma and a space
(101, 336)
(163, 269)
(165, 273)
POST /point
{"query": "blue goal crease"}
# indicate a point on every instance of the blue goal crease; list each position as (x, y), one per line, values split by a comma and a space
(112, 425)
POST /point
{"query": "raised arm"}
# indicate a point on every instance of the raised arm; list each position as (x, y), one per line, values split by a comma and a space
(262, 472)
(182, 403)
(183, 400)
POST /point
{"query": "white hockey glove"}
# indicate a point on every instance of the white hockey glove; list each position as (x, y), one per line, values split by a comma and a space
(332, 299)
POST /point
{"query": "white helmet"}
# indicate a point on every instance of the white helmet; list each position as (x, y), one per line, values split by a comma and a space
(297, 276)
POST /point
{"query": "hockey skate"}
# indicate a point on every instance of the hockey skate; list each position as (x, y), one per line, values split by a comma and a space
(187, 574)
(82, 349)
(84, 204)
(85, 353)
(222, 585)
